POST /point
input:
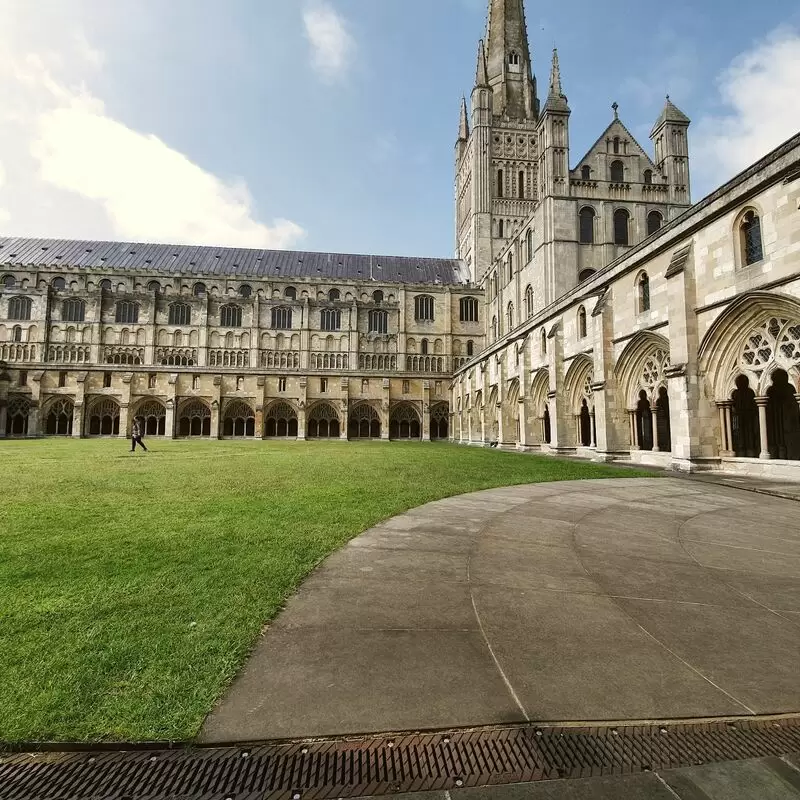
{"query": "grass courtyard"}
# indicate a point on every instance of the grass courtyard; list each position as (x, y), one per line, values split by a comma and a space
(132, 587)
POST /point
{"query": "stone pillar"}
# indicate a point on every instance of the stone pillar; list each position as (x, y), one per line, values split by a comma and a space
(634, 430)
(578, 437)
(33, 419)
(654, 418)
(343, 418)
(77, 420)
(215, 419)
(426, 411)
(5, 382)
(761, 402)
(593, 424)
(384, 412)
(301, 422)
(169, 421)
(523, 423)
(725, 428)
(123, 420)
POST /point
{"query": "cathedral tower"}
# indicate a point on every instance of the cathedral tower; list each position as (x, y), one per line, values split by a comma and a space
(496, 152)
(669, 136)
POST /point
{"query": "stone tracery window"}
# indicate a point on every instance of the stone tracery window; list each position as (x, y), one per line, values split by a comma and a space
(323, 422)
(19, 407)
(104, 418)
(440, 421)
(127, 312)
(330, 319)
(153, 416)
(281, 421)
(423, 308)
(510, 316)
(775, 342)
(180, 314)
(404, 422)
(238, 420)
(529, 308)
(282, 318)
(378, 321)
(58, 421)
(364, 422)
(195, 419)
(468, 309)
(230, 316)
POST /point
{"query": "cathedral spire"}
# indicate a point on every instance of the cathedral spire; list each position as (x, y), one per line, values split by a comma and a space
(556, 99)
(463, 124)
(481, 72)
(508, 60)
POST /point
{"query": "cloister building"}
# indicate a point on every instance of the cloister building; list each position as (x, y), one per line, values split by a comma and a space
(591, 308)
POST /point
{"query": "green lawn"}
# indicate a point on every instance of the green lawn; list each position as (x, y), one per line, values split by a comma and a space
(133, 586)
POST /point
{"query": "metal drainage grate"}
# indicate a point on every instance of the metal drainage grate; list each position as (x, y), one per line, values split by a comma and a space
(384, 765)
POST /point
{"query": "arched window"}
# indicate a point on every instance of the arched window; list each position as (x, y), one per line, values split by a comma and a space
(404, 422)
(510, 266)
(9, 281)
(154, 286)
(238, 420)
(365, 423)
(529, 244)
(581, 323)
(104, 418)
(470, 347)
(290, 293)
(377, 296)
(194, 419)
(230, 316)
(423, 308)
(58, 421)
(543, 341)
(468, 309)
(330, 319)
(494, 328)
(621, 219)
(378, 321)
(16, 334)
(59, 284)
(73, 311)
(323, 422)
(617, 172)
(423, 347)
(586, 173)
(19, 308)
(510, 316)
(180, 314)
(643, 293)
(585, 274)
(528, 301)
(245, 290)
(616, 144)
(654, 222)
(199, 289)
(648, 177)
(751, 242)
(127, 312)
(500, 184)
(521, 185)
(333, 295)
(513, 58)
(153, 416)
(19, 408)
(586, 225)
(501, 229)
(105, 285)
(281, 318)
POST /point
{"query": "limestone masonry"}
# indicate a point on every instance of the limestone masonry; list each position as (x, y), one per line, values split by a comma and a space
(591, 309)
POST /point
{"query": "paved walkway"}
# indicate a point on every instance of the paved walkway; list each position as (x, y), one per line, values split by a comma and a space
(620, 599)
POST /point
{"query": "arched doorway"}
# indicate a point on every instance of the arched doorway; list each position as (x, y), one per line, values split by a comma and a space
(19, 407)
(103, 417)
(281, 422)
(364, 423)
(323, 422)
(238, 420)
(194, 419)
(547, 433)
(440, 421)
(585, 424)
(153, 417)
(58, 420)
(783, 418)
(404, 422)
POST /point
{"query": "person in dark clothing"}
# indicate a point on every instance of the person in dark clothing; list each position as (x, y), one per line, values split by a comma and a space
(136, 436)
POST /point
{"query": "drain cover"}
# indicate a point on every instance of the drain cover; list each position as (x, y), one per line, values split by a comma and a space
(385, 765)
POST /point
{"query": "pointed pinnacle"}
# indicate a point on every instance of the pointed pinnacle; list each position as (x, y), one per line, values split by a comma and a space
(463, 125)
(482, 73)
(555, 77)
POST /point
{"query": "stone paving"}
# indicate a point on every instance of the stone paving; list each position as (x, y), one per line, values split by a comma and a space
(622, 599)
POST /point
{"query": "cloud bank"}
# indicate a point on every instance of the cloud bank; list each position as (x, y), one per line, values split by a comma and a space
(71, 170)
(331, 44)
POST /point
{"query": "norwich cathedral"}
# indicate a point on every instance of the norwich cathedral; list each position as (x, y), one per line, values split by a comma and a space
(591, 308)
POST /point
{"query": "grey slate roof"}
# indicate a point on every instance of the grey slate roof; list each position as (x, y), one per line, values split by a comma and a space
(225, 262)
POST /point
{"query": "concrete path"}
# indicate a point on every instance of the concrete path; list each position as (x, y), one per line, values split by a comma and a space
(621, 599)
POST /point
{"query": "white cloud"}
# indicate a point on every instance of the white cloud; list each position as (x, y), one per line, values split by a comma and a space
(331, 43)
(760, 91)
(72, 170)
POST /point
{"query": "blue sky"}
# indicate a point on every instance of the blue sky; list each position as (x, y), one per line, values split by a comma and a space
(330, 124)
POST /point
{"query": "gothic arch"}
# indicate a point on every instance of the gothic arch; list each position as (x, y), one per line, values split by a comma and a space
(364, 422)
(102, 418)
(238, 420)
(194, 418)
(440, 421)
(641, 367)
(404, 422)
(280, 420)
(510, 412)
(731, 346)
(578, 383)
(153, 415)
(322, 421)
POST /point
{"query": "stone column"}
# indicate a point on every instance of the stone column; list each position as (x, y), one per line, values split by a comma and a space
(761, 402)
(634, 430)
(578, 436)
(169, 421)
(593, 425)
(523, 423)
(215, 419)
(343, 418)
(301, 422)
(426, 411)
(33, 419)
(654, 420)
(77, 420)
(384, 412)
(123, 420)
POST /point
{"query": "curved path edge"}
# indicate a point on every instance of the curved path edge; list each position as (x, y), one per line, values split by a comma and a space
(608, 599)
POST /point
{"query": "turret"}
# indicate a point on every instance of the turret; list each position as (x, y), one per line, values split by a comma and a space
(554, 125)
(670, 140)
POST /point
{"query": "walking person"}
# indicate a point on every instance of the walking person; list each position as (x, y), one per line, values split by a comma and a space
(136, 435)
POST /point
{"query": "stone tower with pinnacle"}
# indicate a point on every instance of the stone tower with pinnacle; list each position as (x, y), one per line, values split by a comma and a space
(497, 158)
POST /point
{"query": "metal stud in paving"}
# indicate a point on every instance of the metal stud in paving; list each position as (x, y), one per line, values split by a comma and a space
(405, 763)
